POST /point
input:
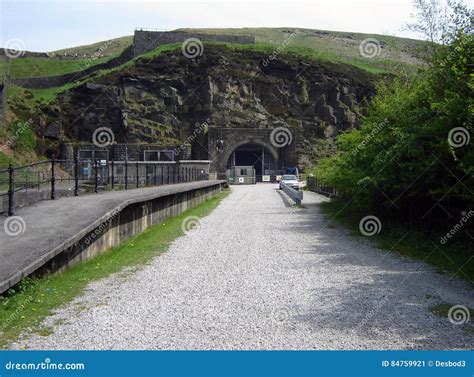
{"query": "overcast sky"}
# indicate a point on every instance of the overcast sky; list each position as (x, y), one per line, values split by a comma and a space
(43, 25)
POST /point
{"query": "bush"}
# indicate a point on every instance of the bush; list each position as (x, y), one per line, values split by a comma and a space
(22, 135)
(412, 159)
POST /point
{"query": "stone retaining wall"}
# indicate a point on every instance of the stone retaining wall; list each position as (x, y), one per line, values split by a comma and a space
(144, 40)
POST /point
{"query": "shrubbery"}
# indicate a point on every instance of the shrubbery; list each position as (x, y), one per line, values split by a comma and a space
(412, 159)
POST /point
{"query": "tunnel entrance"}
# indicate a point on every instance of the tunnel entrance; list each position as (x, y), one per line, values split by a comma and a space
(252, 155)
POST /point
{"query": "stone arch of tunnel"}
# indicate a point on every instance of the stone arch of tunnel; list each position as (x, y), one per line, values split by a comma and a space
(263, 159)
(246, 145)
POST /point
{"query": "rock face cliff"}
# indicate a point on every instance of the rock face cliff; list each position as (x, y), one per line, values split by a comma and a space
(160, 99)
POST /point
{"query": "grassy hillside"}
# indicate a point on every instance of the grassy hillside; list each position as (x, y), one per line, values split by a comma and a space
(36, 66)
(344, 45)
(108, 48)
(395, 53)
(65, 61)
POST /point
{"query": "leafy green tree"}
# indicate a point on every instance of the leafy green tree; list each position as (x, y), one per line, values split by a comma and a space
(413, 157)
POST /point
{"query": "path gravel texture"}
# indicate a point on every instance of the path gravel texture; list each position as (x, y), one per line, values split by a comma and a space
(261, 274)
(42, 231)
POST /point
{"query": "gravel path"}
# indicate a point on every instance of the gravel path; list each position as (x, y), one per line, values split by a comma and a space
(260, 274)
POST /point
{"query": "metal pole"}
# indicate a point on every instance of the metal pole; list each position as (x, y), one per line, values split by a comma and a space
(96, 171)
(76, 175)
(112, 167)
(126, 175)
(154, 174)
(11, 190)
(138, 182)
(53, 180)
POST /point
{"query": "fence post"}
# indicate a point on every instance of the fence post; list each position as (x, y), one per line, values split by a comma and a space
(126, 174)
(53, 179)
(96, 171)
(11, 190)
(137, 172)
(76, 175)
(154, 174)
(146, 174)
(112, 175)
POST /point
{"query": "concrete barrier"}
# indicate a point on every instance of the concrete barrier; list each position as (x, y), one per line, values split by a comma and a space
(295, 195)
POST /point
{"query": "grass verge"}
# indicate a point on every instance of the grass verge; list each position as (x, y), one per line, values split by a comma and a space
(34, 300)
(454, 258)
(459, 315)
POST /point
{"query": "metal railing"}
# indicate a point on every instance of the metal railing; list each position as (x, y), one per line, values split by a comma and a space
(295, 195)
(321, 188)
(92, 176)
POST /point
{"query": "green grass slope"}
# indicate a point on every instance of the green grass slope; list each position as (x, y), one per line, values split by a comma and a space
(394, 53)
(107, 48)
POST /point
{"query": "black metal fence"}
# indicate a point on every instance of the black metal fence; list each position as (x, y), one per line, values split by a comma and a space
(93, 176)
(321, 188)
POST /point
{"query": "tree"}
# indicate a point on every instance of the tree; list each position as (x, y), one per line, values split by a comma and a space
(428, 15)
(413, 157)
(439, 21)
